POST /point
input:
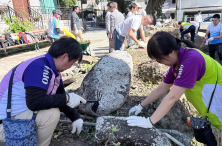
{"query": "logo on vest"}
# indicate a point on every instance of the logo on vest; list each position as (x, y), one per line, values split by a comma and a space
(180, 71)
(45, 79)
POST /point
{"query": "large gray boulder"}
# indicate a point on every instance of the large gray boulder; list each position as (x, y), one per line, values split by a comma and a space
(115, 129)
(109, 82)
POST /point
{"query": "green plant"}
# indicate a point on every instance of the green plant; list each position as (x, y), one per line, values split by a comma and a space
(16, 26)
(112, 136)
(116, 144)
(114, 129)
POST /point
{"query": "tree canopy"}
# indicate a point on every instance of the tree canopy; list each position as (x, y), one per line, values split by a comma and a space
(155, 5)
(67, 3)
(122, 4)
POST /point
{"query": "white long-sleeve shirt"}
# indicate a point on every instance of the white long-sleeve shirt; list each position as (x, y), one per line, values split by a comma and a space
(198, 18)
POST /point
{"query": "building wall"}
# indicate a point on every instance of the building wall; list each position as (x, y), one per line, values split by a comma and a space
(34, 3)
(169, 4)
(199, 3)
(192, 6)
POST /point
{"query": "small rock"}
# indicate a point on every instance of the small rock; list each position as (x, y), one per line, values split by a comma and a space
(134, 86)
(59, 133)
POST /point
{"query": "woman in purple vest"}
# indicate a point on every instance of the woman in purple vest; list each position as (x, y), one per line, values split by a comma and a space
(37, 86)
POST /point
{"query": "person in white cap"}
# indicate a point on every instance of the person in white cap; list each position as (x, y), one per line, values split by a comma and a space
(141, 12)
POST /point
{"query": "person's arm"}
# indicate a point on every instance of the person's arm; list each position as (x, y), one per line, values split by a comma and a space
(131, 35)
(36, 99)
(218, 37)
(111, 26)
(142, 33)
(171, 98)
(71, 113)
(108, 23)
(156, 93)
(58, 30)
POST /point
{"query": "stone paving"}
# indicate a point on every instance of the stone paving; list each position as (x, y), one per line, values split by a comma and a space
(99, 45)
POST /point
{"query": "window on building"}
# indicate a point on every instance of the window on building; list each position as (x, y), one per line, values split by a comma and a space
(173, 1)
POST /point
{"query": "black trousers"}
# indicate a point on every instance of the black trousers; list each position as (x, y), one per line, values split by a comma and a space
(215, 47)
(190, 30)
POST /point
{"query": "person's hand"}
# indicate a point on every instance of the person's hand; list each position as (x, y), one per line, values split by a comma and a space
(210, 39)
(82, 28)
(77, 126)
(76, 31)
(111, 37)
(142, 44)
(135, 110)
(74, 100)
(139, 122)
(206, 42)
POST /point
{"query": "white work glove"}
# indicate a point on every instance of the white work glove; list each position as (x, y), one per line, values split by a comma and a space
(210, 39)
(77, 126)
(108, 35)
(206, 42)
(139, 122)
(76, 31)
(74, 100)
(136, 110)
(142, 44)
(82, 28)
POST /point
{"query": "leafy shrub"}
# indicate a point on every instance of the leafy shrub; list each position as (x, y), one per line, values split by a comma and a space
(16, 26)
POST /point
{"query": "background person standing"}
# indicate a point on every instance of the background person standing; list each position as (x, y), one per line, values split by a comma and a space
(155, 18)
(215, 40)
(76, 24)
(133, 8)
(115, 18)
(141, 12)
(94, 22)
(198, 18)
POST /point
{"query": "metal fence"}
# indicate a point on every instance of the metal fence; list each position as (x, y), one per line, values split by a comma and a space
(46, 12)
(9, 12)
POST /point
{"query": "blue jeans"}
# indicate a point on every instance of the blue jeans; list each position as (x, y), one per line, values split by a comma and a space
(94, 24)
(118, 40)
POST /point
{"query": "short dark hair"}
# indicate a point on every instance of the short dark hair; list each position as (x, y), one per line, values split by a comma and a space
(199, 11)
(75, 7)
(66, 45)
(127, 11)
(133, 5)
(108, 5)
(163, 43)
(216, 16)
(180, 22)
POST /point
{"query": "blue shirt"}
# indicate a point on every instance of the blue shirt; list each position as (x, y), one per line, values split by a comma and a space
(214, 32)
(52, 25)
